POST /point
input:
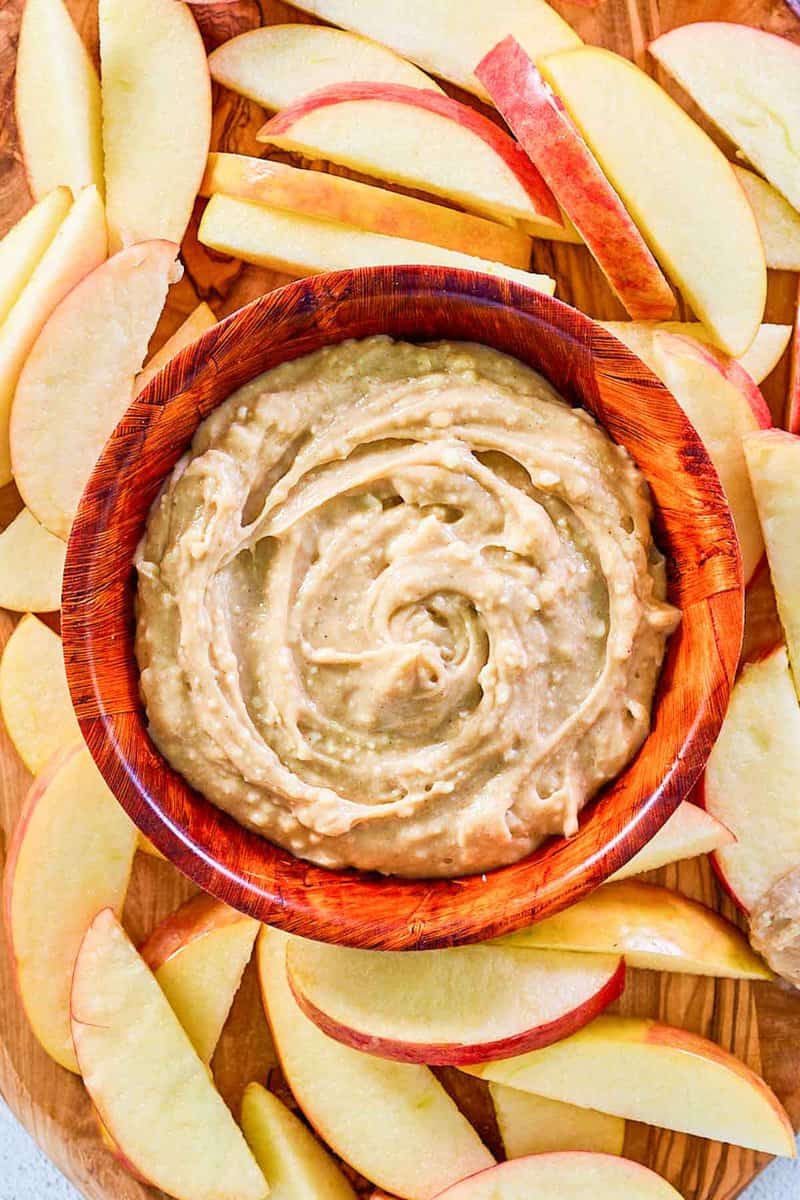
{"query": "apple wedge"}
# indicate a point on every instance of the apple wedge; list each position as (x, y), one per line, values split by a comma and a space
(748, 82)
(762, 356)
(793, 398)
(296, 1164)
(419, 139)
(689, 832)
(569, 1175)
(198, 955)
(778, 223)
(537, 118)
(348, 202)
(449, 37)
(77, 248)
(34, 697)
(300, 245)
(531, 1124)
(648, 1072)
(198, 321)
(31, 566)
(393, 1122)
(78, 378)
(57, 99)
(152, 1092)
(655, 929)
(25, 243)
(676, 184)
(70, 855)
(156, 117)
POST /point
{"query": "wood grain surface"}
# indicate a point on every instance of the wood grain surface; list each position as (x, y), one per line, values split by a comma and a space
(755, 1020)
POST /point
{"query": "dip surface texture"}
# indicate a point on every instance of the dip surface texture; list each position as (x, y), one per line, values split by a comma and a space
(400, 609)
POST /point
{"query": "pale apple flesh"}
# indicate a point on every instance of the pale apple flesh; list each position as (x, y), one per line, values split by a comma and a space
(198, 321)
(570, 1175)
(793, 399)
(25, 243)
(759, 360)
(31, 566)
(778, 222)
(34, 697)
(530, 1124)
(689, 832)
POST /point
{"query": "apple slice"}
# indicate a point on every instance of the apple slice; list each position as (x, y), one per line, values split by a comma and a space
(348, 202)
(77, 248)
(531, 1124)
(645, 1071)
(654, 927)
(391, 1121)
(34, 697)
(57, 98)
(570, 1175)
(196, 324)
(31, 566)
(78, 379)
(793, 399)
(689, 832)
(70, 855)
(198, 955)
(156, 117)
(537, 118)
(25, 243)
(449, 37)
(152, 1092)
(762, 356)
(419, 139)
(300, 245)
(296, 1164)
(778, 222)
(748, 82)
(676, 184)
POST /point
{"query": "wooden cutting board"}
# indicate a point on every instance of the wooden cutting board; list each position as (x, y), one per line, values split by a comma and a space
(759, 1022)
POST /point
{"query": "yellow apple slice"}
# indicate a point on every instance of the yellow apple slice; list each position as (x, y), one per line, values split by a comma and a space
(393, 1122)
(762, 356)
(689, 832)
(450, 37)
(34, 697)
(301, 245)
(78, 379)
(645, 1071)
(654, 927)
(31, 566)
(793, 398)
(676, 184)
(566, 1176)
(778, 222)
(748, 82)
(531, 1124)
(70, 855)
(77, 248)
(152, 1092)
(57, 101)
(296, 1164)
(25, 243)
(348, 202)
(198, 955)
(277, 64)
(156, 117)
(198, 321)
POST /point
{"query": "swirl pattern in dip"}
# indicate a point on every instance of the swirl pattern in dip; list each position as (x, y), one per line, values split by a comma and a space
(400, 608)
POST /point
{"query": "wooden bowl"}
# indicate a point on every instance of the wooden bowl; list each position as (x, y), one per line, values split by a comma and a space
(693, 527)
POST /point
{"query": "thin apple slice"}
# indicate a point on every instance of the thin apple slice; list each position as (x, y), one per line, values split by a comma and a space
(778, 222)
(391, 1121)
(793, 398)
(31, 566)
(381, 128)
(78, 379)
(348, 202)
(196, 324)
(762, 356)
(296, 1164)
(70, 855)
(277, 64)
(156, 117)
(676, 184)
(25, 243)
(645, 1071)
(34, 697)
(748, 82)
(569, 1175)
(152, 1092)
(531, 1124)
(77, 248)
(689, 832)
(57, 99)
(198, 955)
(301, 245)
(654, 927)
(537, 118)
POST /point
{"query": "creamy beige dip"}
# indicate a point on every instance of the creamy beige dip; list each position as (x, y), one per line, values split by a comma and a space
(775, 926)
(400, 608)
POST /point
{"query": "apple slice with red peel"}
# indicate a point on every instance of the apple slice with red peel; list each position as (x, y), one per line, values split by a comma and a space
(198, 955)
(654, 927)
(25, 243)
(78, 379)
(761, 357)
(689, 832)
(657, 1074)
(31, 566)
(34, 696)
(778, 222)
(379, 129)
(393, 1122)
(531, 1124)
(196, 324)
(569, 1175)
(71, 854)
(538, 119)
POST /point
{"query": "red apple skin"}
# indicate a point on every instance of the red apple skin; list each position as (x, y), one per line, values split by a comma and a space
(435, 102)
(793, 400)
(455, 1055)
(200, 914)
(732, 370)
(539, 120)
